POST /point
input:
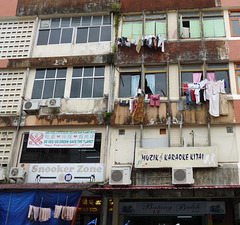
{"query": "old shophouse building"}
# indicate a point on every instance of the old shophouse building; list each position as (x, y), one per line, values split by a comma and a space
(128, 111)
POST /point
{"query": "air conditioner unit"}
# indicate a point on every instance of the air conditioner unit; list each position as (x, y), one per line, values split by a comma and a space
(17, 172)
(120, 176)
(182, 175)
(54, 102)
(2, 174)
(32, 105)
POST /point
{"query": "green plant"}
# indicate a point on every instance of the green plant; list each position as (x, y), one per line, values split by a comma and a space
(116, 7)
(107, 117)
(114, 48)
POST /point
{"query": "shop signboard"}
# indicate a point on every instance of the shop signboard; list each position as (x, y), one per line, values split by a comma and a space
(65, 173)
(57, 139)
(172, 208)
(176, 157)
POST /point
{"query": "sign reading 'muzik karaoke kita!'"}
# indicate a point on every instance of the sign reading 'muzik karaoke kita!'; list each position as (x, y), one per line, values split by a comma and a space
(57, 139)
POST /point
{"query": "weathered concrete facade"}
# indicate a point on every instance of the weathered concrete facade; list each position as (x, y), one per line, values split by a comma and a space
(84, 75)
(32, 7)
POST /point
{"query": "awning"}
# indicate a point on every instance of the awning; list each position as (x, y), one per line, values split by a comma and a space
(50, 186)
(142, 188)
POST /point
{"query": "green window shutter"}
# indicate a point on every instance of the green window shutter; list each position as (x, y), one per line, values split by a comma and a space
(127, 30)
(137, 30)
(195, 29)
(181, 26)
(208, 28)
(150, 28)
(161, 28)
(219, 28)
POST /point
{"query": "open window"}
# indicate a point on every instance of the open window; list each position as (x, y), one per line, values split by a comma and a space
(190, 25)
(213, 24)
(219, 72)
(190, 74)
(235, 23)
(156, 80)
(129, 84)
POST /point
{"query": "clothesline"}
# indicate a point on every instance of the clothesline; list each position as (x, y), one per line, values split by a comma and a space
(191, 88)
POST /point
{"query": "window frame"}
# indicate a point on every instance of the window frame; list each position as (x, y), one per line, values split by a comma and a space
(220, 69)
(82, 78)
(132, 19)
(47, 26)
(193, 15)
(129, 74)
(148, 70)
(190, 70)
(232, 18)
(213, 14)
(42, 153)
(158, 17)
(236, 68)
(45, 79)
(161, 69)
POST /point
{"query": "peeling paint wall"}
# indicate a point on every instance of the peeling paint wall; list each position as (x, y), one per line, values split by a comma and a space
(85, 60)
(175, 51)
(99, 48)
(158, 115)
(226, 174)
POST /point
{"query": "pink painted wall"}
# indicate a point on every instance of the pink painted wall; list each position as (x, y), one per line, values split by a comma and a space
(3, 63)
(234, 47)
(8, 7)
(236, 104)
(230, 3)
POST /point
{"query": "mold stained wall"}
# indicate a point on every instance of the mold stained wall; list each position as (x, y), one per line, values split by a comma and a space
(74, 106)
(94, 48)
(16, 157)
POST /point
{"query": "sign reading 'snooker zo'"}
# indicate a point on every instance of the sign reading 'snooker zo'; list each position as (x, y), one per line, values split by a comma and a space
(66, 173)
(174, 157)
(68, 139)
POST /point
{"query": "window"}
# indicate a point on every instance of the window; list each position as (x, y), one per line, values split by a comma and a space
(237, 71)
(190, 25)
(156, 25)
(156, 80)
(49, 83)
(129, 84)
(189, 72)
(132, 27)
(61, 155)
(220, 72)
(63, 30)
(213, 24)
(234, 23)
(87, 82)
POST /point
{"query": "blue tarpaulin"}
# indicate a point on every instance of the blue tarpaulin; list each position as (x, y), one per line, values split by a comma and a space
(14, 206)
